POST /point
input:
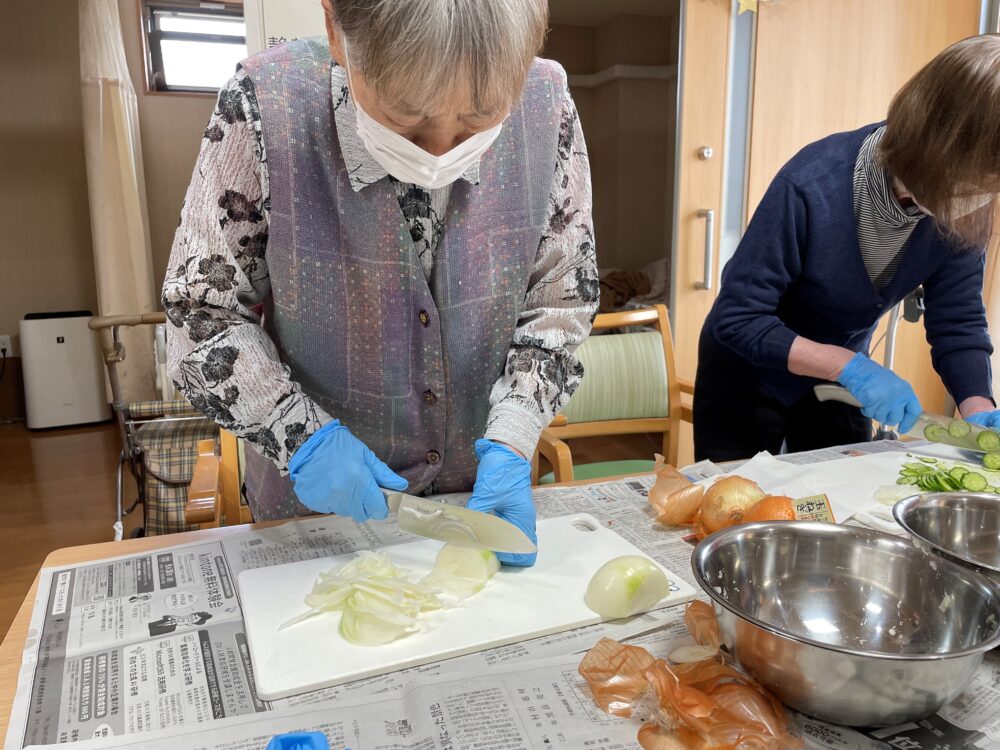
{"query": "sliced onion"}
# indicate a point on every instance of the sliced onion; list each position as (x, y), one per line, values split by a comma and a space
(366, 629)
(460, 571)
(625, 586)
(379, 603)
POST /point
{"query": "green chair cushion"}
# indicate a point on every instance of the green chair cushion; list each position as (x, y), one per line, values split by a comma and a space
(603, 469)
(624, 378)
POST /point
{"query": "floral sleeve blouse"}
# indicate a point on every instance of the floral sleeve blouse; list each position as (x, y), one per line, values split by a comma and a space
(218, 273)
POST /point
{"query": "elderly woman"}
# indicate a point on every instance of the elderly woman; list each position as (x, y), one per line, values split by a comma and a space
(848, 228)
(385, 260)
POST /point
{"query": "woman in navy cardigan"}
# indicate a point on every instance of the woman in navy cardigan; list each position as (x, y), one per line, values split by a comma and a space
(848, 228)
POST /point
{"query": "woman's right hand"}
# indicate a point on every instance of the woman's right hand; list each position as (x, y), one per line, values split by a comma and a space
(884, 396)
(334, 472)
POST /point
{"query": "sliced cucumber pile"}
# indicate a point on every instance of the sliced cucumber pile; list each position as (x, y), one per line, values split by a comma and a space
(932, 475)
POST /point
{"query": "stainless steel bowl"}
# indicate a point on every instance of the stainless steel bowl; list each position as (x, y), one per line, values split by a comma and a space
(849, 625)
(961, 526)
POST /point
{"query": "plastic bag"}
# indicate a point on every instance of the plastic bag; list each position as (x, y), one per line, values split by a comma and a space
(703, 705)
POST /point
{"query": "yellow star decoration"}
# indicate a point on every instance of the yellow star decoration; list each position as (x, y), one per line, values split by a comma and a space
(747, 5)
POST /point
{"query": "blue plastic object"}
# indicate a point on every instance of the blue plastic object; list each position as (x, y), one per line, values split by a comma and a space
(300, 741)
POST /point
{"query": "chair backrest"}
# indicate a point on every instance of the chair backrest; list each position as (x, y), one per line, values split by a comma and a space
(627, 375)
(625, 378)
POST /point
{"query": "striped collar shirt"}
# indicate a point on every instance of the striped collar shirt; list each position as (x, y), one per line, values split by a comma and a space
(884, 225)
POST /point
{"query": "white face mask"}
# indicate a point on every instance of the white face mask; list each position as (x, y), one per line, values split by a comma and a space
(406, 161)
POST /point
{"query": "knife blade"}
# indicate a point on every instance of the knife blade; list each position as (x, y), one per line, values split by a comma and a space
(829, 392)
(448, 523)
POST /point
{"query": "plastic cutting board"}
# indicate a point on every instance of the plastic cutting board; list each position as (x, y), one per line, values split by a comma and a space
(516, 605)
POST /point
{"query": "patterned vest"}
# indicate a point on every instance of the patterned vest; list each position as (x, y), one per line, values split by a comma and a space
(406, 364)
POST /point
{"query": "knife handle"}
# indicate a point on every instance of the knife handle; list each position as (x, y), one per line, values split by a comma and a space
(831, 392)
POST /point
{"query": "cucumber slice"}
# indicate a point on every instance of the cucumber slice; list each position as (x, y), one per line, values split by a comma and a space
(988, 440)
(974, 482)
(992, 461)
(928, 459)
(935, 433)
(959, 428)
(959, 471)
(907, 480)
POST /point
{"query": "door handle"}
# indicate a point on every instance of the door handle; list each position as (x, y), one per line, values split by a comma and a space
(708, 214)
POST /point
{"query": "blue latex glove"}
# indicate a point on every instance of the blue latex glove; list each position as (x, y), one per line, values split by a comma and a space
(334, 472)
(884, 396)
(503, 487)
(988, 419)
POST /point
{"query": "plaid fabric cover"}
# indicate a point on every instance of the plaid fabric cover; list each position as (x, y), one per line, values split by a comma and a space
(169, 453)
(151, 409)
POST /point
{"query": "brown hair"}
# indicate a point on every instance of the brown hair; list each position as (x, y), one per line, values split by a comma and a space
(942, 137)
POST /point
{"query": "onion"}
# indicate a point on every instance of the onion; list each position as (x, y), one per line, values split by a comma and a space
(461, 571)
(675, 499)
(378, 602)
(726, 501)
(625, 586)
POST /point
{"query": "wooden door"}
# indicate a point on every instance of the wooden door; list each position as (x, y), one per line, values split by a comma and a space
(824, 67)
(703, 67)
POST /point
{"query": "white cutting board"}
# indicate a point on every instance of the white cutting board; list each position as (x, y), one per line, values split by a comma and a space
(517, 604)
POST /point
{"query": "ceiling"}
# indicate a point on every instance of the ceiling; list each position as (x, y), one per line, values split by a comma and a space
(597, 12)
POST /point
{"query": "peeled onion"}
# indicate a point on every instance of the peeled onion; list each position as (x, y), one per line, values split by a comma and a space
(625, 586)
(726, 501)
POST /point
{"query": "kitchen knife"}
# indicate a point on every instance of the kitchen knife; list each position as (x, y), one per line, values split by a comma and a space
(449, 523)
(938, 424)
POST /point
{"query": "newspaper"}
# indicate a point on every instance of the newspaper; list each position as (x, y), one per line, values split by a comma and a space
(149, 650)
(156, 641)
(543, 703)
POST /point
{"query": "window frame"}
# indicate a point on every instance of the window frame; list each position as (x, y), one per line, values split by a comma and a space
(152, 36)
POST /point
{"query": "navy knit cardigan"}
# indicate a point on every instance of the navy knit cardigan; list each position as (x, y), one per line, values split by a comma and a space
(798, 271)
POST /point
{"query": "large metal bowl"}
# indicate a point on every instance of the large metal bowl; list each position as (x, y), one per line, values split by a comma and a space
(849, 625)
(961, 526)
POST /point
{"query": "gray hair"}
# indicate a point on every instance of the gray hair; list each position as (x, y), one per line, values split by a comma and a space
(417, 52)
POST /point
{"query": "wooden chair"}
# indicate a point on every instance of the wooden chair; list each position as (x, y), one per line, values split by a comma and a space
(630, 386)
(214, 497)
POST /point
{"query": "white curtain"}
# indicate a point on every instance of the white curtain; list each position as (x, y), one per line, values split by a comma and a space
(117, 189)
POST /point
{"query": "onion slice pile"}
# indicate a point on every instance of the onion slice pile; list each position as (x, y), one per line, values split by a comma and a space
(378, 602)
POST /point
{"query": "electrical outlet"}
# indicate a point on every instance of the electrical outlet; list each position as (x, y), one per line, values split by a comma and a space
(5, 346)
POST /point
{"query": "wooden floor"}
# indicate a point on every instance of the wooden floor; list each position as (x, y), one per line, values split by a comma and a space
(57, 489)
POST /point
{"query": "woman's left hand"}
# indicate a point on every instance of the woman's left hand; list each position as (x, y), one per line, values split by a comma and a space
(503, 487)
(988, 419)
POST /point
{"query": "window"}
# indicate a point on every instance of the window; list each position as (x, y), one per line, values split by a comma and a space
(192, 46)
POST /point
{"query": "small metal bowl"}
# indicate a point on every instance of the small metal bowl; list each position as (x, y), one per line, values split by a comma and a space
(846, 624)
(960, 526)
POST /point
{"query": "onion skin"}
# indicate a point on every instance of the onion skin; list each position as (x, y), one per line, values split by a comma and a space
(771, 508)
(674, 498)
(726, 502)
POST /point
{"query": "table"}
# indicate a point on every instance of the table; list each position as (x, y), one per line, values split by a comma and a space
(13, 643)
